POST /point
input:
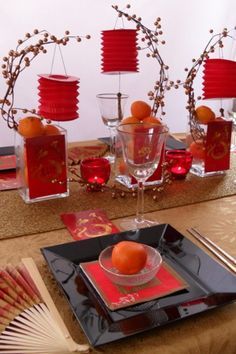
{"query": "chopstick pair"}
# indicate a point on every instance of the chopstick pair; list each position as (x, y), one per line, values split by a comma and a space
(227, 259)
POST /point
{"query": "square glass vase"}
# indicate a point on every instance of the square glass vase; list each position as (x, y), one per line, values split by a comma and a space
(41, 166)
(211, 157)
(198, 169)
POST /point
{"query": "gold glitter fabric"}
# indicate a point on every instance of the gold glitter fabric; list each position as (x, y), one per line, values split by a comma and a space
(18, 218)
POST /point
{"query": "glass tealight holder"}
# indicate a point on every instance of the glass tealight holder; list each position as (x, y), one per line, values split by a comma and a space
(95, 171)
(179, 163)
(41, 166)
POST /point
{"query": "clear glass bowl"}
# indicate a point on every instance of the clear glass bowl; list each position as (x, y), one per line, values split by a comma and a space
(153, 264)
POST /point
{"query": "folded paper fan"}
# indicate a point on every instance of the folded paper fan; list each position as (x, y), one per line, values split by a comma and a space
(29, 319)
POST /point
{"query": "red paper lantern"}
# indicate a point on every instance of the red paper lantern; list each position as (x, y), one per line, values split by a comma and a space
(119, 51)
(219, 78)
(58, 97)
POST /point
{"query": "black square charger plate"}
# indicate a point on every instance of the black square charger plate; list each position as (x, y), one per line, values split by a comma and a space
(210, 284)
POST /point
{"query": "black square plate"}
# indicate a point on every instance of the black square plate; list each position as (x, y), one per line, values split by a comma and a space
(210, 284)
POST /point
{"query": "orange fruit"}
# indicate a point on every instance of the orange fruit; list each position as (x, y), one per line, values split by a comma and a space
(129, 257)
(198, 150)
(152, 120)
(140, 109)
(204, 114)
(30, 127)
(50, 129)
(130, 120)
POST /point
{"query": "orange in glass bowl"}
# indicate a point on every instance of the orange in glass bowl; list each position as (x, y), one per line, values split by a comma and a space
(147, 273)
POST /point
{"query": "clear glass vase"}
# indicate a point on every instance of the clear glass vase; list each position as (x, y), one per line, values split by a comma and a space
(211, 153)
(41, 165)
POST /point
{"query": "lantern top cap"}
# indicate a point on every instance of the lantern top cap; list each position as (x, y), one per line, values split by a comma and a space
(120, 30)
(60, 78)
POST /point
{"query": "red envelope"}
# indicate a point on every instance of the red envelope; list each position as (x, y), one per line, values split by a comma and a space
(218, 146)
(46, 162)
(88, 223)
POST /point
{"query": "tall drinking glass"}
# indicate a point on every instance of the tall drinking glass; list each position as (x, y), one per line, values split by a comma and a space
(142, 147)
(112, 110)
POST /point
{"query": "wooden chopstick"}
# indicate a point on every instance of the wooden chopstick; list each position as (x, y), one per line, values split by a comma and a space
(216, 250)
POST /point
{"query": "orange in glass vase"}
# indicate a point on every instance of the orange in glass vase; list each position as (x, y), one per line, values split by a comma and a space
(211, 154)
(30, 127)
(41, 160)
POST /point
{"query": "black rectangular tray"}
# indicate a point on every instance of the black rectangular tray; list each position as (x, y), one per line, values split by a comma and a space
(210, 284)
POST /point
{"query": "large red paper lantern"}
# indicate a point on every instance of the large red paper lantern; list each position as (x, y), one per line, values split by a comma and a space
(58, 97)
(219, 78)
(119, 51)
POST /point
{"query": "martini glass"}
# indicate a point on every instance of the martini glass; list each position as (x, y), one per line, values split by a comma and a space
(142, 146)
(112, 110)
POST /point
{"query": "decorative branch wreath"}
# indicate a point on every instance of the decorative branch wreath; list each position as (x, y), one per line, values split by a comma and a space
(21, 57)
(152, 39)
(18, 60)
(215, 42)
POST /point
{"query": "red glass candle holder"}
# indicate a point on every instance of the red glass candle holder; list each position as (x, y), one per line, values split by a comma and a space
(95, 171)
(179, 162)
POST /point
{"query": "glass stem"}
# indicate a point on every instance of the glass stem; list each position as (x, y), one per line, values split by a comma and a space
(113, 141)
(140, 202)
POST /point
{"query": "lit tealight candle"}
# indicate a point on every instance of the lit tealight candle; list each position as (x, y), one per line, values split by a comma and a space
(179, 162)
(95, 171)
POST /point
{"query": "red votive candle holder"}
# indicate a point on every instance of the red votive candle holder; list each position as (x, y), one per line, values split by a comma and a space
(95, 171)
(179, 162)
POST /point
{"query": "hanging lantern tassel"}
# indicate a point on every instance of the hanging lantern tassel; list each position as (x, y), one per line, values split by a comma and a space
(119, 51)
(219, 78)
(58, 97)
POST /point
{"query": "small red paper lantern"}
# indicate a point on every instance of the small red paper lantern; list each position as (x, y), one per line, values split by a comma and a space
(119, 51)
(58, 97)
(219, 78)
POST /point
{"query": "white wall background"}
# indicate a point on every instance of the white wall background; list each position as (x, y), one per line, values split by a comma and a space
(185, 24)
